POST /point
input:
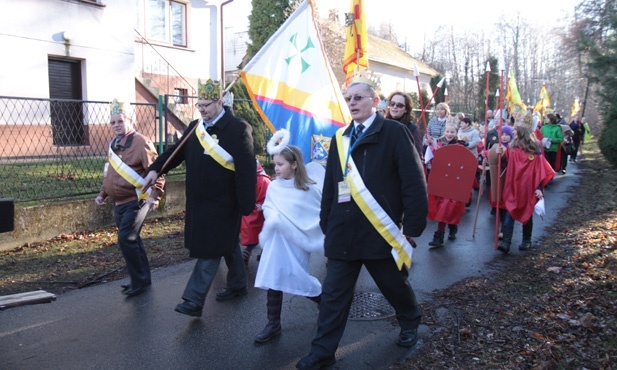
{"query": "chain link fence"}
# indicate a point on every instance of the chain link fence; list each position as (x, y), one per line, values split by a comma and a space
(52, 149)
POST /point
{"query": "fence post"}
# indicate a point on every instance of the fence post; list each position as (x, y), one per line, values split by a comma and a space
(161, 133)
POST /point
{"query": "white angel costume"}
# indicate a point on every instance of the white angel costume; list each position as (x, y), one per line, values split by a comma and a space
(290, 234)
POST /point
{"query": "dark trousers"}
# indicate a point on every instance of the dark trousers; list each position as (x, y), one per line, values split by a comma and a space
(204, 272)
(129, 220)
(551, 157)
(577, 145)
(527, 227)
(337, 295)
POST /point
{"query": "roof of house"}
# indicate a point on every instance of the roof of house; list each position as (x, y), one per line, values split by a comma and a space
(386, 52)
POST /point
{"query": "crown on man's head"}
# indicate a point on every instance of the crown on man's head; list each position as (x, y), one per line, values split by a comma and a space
(118, 107)
(211, 90)
(366, 77)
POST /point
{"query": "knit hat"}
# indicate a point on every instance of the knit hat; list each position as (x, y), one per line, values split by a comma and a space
(508, 131)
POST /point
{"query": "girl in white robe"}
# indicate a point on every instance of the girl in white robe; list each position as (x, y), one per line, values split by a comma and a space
(290, 234)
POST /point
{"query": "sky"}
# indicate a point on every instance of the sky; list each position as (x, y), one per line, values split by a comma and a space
(413, 19)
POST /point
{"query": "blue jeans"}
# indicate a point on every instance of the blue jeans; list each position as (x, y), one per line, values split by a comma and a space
(129, 219)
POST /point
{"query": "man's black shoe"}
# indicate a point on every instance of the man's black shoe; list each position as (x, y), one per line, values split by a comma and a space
(189, 308)
(228, 294)
(312, 362)
(132, 292)
(128, 286)
(407, 338)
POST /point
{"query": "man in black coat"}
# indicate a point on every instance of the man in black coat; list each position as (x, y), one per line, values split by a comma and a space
(386, 164)
(220, 187)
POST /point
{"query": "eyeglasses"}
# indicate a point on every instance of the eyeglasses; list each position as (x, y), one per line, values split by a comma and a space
(398, 105)
(356, 98)
(204, 106)
(118, 122)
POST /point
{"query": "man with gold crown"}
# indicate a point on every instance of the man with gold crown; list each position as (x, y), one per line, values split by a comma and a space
(374, 183)
(130, 154)
(220, 187)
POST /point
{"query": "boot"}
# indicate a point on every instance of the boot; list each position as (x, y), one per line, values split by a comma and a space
(437, 241)
(525, 244)
(527, 230)
(504, 244)
(273, 327)
(453, 230)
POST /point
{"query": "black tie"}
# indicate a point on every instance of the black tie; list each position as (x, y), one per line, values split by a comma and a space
(356, 133)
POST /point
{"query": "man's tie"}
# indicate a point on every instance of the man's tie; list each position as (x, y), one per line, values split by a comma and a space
(356, 133)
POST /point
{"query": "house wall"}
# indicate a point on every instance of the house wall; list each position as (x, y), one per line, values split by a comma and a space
(101, 36)
(397, 79)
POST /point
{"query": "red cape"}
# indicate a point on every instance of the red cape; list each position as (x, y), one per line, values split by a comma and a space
(524, 174)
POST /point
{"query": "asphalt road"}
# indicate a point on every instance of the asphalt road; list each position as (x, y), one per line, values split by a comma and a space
(98, 328)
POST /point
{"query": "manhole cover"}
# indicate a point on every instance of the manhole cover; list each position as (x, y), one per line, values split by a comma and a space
(370, 306)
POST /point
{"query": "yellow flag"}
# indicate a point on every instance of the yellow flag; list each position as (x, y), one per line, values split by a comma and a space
(576, 107)
(356, 56)
(513, 97)
(544, 102)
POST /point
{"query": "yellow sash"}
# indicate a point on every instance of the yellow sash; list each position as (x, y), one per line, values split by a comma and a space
(401, 249)
(128, 174)
(213, 148)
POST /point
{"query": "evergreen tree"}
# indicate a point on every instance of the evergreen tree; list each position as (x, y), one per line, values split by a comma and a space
(265, 18)
(243, 108)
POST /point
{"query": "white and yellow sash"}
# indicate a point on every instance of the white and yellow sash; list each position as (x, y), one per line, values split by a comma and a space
(213, 148)
(401, 249)
(128, 174)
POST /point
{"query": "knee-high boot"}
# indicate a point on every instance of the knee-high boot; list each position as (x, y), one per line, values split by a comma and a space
(273, 327)
(504, 244)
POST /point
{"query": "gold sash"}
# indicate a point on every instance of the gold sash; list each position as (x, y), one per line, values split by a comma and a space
(128, 174)
(401, 249)
(213, 148)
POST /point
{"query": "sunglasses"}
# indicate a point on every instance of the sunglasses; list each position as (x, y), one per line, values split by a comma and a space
(398, 105)
(356, 98)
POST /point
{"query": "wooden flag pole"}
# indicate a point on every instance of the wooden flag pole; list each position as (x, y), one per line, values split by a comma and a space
(484, 159)
(498, 198)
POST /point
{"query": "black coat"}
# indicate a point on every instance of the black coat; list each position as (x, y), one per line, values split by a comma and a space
(391, 169)
(216, 198)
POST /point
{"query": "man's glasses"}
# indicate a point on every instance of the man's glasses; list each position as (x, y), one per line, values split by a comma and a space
(204, 106)
(398, 105)
(356, 98)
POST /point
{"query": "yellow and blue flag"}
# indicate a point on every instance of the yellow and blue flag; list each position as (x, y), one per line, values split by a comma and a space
(292, 85)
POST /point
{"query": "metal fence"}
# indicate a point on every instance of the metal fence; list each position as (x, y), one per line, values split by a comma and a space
(51, 148)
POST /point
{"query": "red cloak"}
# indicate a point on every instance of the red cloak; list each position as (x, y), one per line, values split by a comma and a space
(524, 174)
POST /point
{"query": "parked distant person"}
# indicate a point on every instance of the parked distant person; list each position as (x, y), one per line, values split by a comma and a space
(290, 234)
(130, 154)
(401, 109)
(578, 131)
(220, 188)
(372, 161)
(553, 137)
(437, 123)
(253, 223)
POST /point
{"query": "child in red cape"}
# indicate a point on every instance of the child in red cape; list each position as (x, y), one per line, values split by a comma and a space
(444, 210)
(527, 173)
(254, 222)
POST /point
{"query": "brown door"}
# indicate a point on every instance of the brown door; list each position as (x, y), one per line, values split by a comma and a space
(66, 108)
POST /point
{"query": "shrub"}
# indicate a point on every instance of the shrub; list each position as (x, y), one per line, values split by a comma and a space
(608, 137)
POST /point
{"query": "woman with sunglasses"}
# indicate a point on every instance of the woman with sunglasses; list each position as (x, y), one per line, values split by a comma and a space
(400, 109)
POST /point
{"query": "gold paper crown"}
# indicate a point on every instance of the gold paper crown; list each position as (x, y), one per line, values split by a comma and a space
(117, 107)
(211, 90)
(366, 77)
(525, 119)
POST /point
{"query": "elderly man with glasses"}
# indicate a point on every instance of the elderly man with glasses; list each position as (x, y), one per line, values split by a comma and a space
(374, 184)
(221, 179)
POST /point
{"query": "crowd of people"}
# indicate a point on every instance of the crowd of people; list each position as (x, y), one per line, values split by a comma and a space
(364, 211)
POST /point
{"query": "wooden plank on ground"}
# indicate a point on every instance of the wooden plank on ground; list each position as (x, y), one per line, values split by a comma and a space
(21, 299)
